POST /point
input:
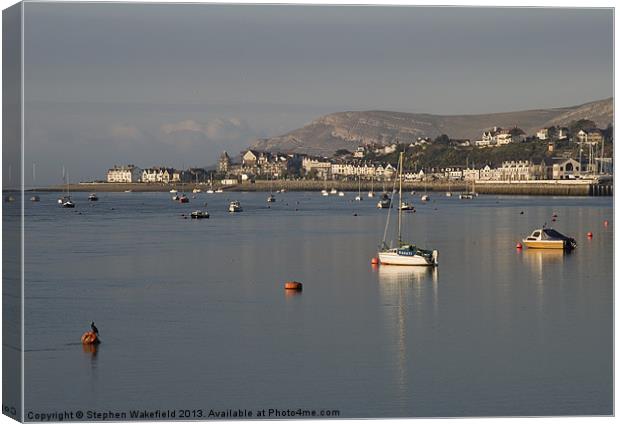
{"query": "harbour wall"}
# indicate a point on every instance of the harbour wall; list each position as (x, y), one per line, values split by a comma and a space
(537, 187)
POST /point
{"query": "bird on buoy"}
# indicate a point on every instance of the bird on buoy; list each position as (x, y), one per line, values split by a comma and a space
(94, 328)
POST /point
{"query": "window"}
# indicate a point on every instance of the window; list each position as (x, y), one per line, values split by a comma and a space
(536, 234)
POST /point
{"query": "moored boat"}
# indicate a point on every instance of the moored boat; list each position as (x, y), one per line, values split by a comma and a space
(183, 199)
(93, 197)
(235, 206)
(404, 206)
(548, 238)
(385, 202)
(199, 215)
(405, 253)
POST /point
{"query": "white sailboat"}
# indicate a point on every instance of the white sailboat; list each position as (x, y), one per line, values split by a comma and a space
(66, 201)
(425, 197)
(359, 189)
(271, 197)
(405, 253)
(371, 193)
(34, 198)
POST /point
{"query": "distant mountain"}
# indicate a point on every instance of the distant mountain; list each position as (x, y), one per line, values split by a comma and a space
(347, 130)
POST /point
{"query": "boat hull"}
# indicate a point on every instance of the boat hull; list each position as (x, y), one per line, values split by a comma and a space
(393, 258)
(545, 244)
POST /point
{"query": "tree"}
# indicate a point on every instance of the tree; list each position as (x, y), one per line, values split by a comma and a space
(582, 124)
(342, 152)
(442, 140)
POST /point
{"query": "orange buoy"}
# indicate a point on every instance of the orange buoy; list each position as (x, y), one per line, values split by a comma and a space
(293, 285)
(519, 246)
(605, 223)
(90, 337)
(589, 234)
(374, 261)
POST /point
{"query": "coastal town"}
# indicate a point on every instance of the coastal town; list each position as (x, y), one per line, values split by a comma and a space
(565, 155)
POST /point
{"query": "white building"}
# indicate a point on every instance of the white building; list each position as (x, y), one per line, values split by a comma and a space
(471, 174)
(323, 168)
(124, 174)
(515, 170)
(543, 134)
(565, 169)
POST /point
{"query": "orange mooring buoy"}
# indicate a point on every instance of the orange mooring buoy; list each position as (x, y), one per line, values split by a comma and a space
(90, 337)
(590, 234)
(374, 261)
(293, 285)
(519, 246)
(605, 223)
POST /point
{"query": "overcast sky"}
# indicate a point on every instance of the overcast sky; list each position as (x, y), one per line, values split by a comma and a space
(176, 84)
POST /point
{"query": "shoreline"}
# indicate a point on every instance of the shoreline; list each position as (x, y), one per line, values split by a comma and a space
(543, 188)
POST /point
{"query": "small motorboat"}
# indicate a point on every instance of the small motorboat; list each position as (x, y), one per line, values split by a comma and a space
(35, 199)
(196, 190)
(385, 202)
(341, 193)
(324, 192)
(235, 206)
(548, 238)
(219, 190)
(404, 206)
(271, 198)
(10, 198)
(68, 203)
(129, 191)
(173, 190)
(183, 199)
(199, 215)
(448, 194)
(371, 194)
(209, 191)
(359, 198)
(466, 196)
(333, 191)
(425, 198)
(93, 197)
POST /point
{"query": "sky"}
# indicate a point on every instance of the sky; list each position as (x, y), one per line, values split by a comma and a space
(156, 84)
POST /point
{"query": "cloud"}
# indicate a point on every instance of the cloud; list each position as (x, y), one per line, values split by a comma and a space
(125, 132)
(219, 129)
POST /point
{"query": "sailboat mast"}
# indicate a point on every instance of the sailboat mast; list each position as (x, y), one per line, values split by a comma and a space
(400, 195)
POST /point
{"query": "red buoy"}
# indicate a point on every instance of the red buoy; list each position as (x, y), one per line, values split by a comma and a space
(374, 261)
(89, 338)
(605, 223)
(519, 246)
(293, 285)
(590, 234)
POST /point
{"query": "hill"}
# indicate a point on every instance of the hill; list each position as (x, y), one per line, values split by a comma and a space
(347, 130)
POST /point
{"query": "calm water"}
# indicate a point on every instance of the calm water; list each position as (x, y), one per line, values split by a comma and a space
(193, 314)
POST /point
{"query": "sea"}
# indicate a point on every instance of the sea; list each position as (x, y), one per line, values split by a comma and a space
(194, 318)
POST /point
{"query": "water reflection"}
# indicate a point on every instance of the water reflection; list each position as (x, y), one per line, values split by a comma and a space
(406, 291)
(536, 259)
